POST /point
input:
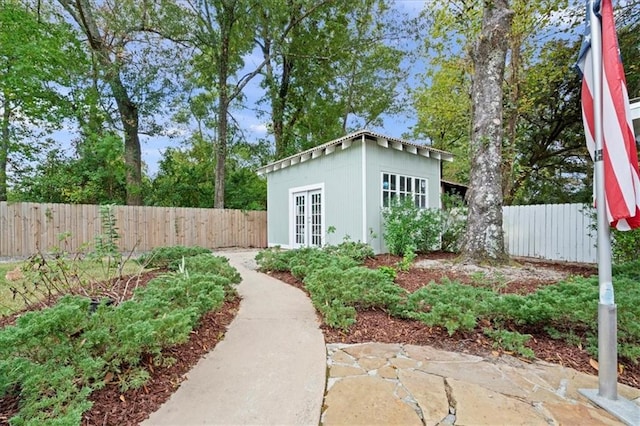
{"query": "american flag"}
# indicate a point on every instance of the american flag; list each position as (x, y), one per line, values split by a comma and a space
(621, 179)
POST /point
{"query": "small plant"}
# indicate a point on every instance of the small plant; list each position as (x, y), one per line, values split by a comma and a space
(510, 341)
(407, 259)
(106, 243)
(389, 272)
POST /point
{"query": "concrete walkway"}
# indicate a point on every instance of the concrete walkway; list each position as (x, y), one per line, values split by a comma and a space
(271, 369)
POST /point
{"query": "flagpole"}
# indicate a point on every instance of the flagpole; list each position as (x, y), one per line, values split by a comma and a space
(607, 315)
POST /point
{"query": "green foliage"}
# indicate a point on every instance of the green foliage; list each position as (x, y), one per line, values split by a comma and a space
(407, 259)
(169, 257)
(274, 259)
(454, 222)
(390, 272)
(56, 357)
(355, 250)
(307, 260)
(625, 245)
(207, 264)
(450, 304)
(337, 293)
(106, 244)
(408, 228)
(510, 341)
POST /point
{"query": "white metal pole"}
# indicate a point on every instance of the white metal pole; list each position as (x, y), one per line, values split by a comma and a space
(607, 318)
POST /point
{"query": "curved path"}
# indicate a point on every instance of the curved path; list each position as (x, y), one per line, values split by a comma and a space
(270, 369)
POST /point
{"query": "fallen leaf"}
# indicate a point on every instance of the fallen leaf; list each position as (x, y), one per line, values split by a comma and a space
(594, 364)
(108, 377)
(122, 398)
(620, 368)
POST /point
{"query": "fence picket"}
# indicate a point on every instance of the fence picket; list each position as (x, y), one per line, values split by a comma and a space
(550, 231)
(27, 227)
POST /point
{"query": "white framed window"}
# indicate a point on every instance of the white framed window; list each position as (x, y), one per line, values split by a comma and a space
(399, 187)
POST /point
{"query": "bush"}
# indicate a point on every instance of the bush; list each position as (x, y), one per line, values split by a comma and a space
(451, 305)
(357, 251)
(208, 264)
(407, 228)
(337, 293)
(274, 259)
(164, 257)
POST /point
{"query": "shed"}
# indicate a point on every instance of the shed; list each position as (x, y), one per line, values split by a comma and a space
(338, 190)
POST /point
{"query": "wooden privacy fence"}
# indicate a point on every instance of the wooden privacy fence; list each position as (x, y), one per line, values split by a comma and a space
(26, 228)
(550, 231)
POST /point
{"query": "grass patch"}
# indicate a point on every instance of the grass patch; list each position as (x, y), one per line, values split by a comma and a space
(83, 272)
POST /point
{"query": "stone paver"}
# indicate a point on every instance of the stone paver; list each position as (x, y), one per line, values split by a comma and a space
(366, 400)
(408, 382)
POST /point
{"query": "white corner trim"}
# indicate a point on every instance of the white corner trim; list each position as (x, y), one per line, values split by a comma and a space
(363, 188)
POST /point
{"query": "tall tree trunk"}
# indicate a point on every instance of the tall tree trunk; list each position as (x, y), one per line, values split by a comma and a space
(82, 13)
(278, 105)
(484, 238)
(223, 109)
(132, 152)
(4, 147)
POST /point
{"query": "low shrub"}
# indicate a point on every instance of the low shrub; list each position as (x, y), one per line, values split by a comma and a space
(274, 259)
(55, 358)
(450, 304)
(337, 293)
(355, 250)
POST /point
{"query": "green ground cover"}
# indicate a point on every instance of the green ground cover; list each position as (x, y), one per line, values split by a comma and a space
(339, 286)
(54, 358)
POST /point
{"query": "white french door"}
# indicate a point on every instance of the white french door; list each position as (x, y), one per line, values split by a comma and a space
(307, 226)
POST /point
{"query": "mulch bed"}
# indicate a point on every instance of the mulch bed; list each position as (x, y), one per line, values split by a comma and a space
(378, 326)
(112, 407)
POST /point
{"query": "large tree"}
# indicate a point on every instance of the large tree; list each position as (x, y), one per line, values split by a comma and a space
(484, 238)
(315, 91)
(127, 39)
(37, 63)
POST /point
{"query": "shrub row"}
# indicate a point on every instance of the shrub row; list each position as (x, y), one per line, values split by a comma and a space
(54, 358)
(567, 310)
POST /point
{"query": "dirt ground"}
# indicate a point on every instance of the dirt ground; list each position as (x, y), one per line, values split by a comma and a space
(112, 407)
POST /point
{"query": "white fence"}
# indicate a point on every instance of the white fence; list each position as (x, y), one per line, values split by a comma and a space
(550, 231)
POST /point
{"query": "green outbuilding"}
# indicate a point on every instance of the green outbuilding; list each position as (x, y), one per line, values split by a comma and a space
(338, 190)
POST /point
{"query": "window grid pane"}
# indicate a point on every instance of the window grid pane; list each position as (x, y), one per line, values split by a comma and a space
(398, 187)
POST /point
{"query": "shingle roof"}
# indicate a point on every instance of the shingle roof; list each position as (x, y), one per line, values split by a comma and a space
(345, 142)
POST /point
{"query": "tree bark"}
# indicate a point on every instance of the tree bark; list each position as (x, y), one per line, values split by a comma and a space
(82, 13)
(484, 237)
(4, 147)
(223, 104)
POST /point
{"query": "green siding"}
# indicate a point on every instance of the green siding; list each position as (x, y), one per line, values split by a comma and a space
(341, 174)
